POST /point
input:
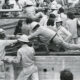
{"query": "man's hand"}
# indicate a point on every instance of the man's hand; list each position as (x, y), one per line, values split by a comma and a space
(7, 59)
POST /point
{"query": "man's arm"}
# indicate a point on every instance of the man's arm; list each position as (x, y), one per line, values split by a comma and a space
(8, 42)
(57, 40)
(33, 35)
(18, 58)
(68, 35)
(14, 60)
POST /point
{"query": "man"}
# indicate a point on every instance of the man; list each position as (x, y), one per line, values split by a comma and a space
(71, 26)
(29, 10)
(62, 15)
(3, 43)
(50, 36)
(26, 55)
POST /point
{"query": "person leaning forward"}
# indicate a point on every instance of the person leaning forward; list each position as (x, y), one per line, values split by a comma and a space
(50, 35)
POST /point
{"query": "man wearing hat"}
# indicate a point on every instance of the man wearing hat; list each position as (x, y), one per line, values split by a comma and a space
(50, 36)
(26, 55)
(29, 10)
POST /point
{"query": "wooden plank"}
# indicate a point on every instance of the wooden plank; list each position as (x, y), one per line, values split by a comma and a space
(10, 10)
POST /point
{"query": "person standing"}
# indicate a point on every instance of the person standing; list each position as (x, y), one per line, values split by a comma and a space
(26, 55)
(66, 74)
(71, 26)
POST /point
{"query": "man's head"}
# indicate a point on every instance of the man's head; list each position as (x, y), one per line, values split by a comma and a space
(70, 15)
(66, 75)
(23, 38)
(58, 22)
(61, 10)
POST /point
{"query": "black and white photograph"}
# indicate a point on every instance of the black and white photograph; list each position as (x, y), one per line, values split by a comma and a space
(39, 39)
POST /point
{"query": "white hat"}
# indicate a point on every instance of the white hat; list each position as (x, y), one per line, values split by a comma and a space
(2, 30)
(54, 7)
(33, 24)
(24, 38)
(59, 20)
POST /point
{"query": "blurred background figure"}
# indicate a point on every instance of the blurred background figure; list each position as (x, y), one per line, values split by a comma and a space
(71, 26)
(66, 75)
(18, 28)
(72, 3)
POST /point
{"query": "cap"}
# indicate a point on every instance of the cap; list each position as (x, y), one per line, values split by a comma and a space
(24, 38)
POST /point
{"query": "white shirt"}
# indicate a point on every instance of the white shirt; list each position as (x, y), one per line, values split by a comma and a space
(43, 21)
(64, 33)
(45, 33)
(63, 18)
(71, 26)
(3, 44)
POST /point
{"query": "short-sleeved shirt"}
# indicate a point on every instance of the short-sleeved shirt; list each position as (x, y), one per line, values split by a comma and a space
(25, 55)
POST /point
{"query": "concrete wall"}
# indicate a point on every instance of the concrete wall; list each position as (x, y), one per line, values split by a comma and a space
(50, 66)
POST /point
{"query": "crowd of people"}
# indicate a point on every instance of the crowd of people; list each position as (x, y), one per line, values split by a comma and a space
(50, 25)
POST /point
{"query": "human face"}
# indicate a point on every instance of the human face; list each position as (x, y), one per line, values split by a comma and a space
(58, 24)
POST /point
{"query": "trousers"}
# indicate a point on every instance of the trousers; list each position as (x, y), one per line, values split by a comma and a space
(24, 76)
